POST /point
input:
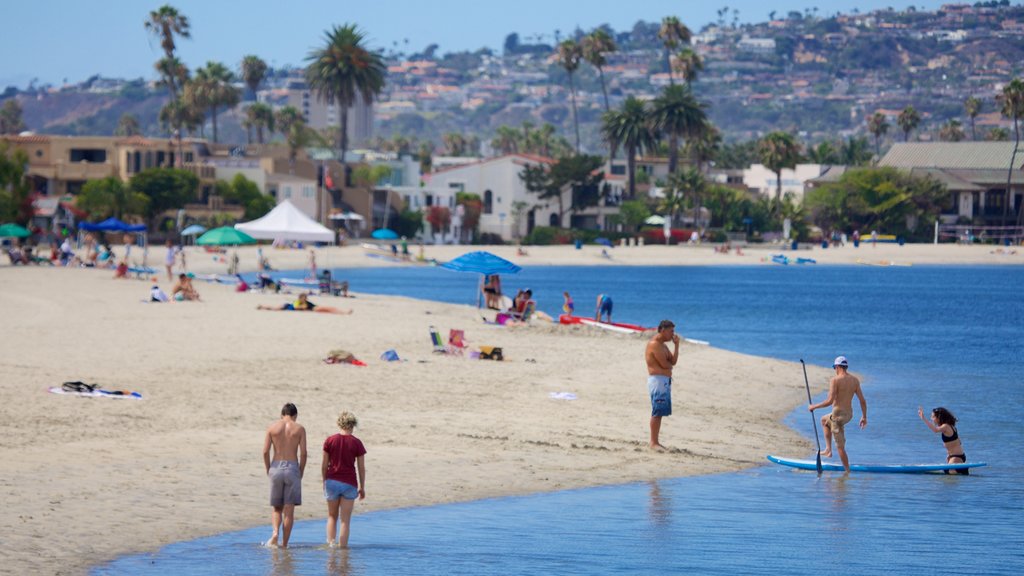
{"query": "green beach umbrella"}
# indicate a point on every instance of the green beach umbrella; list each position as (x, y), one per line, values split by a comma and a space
(225, 236)
(14, 231)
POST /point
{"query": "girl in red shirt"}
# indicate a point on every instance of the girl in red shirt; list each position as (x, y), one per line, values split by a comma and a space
(343, 456)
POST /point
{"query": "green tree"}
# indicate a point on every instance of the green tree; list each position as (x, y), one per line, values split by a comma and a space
(633, 214)
(581, 176)
(245, 192)
(594, 47)
(166, 24)
(997, 135)
(14, 186)
(677, 113)
(128, 125)
(878, 126)
(506, 140)
(673, 34)
(823, 153)
(689, 184)
(705, 146)
(569, 56)
(778, 150)
(254, 70)
(689, 64)
(261, 117)
(426, 156)
(972, 106)
(908, 120)
(855, 152)
(213, 88)
(1012, 107)
(630, 128)
(342, 71)
(537, 179)
(951, 132)
(110, 197)
(166, 188)
(10, 117)
(285, 118)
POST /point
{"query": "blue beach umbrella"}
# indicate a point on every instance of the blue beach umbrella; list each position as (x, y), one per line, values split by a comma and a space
(193, 230)
(481, 263)
(384, 234)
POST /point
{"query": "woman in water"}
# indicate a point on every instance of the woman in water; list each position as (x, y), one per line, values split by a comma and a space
(943, 422)
(344, 476)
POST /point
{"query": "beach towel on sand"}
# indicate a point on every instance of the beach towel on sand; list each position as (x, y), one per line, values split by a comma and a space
(92, 391)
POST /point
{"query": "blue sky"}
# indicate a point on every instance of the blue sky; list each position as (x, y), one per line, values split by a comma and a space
(56, 39)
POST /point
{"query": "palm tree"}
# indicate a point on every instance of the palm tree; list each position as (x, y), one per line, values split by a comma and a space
(689, 182)
(454, 143)
(128, 125)
(506, 141)
(689, 64)
(254, 70)
(285, 117)
(997, 134)
(595, 45)
(569, 56)
(1013, 107)
(973, 107)
(259, 116)
(630, 128)
(343, 71)
(673, 34)
(908, 120)
(823, 153)
(778, 150)
(704, 146)
(214, 89)
(677, 113)
(166, 23)
(951, 132)
(878, 126)
(426, 156)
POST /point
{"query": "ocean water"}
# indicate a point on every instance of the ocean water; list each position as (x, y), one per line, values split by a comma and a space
(930, 336)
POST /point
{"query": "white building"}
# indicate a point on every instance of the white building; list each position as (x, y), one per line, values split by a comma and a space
(301, 192)
(756, 45)
(758, 177)
(497, 182)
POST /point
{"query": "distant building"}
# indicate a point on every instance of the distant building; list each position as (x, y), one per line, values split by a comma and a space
(319, 114)
(975, 173)
(758, 177)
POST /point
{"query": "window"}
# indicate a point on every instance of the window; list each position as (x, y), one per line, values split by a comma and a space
(459, 186)
(618, 169)
(307, 191)
(287, 191)
(488, 201)
(88, 155)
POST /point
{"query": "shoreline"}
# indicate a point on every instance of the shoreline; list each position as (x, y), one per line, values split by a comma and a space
(117, 477)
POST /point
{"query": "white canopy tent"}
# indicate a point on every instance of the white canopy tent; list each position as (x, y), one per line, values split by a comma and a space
(286, 222)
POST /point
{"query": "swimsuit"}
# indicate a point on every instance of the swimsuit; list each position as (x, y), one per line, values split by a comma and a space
(955, 436)
(839, 418)
(285, 483)
(660, 389)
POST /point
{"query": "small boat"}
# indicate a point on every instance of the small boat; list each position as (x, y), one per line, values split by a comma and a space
(619, 327)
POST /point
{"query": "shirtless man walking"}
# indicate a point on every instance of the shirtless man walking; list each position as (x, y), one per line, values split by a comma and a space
(841, 390)
(659, 376)
(288, 438)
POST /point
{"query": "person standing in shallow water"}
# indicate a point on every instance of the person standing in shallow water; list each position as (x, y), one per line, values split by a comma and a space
(288, 439)
(659, 377)
(343, 458)
(841, 390)
(943, 422)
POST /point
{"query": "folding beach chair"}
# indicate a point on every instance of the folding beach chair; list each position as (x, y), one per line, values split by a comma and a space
(435, 340)
(456, 341)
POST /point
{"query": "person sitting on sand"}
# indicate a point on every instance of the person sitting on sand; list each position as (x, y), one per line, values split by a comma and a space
(122, 270)
(242, 285)
(943, 422)
(288, 439)
(183, 289)
(525, 306)
(158, 295)
(343, 458)
(304, 305)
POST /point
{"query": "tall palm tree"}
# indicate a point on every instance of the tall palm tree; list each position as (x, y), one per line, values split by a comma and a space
(506, 140)
(972, 106)
(214, 89)
(166, 23)
(426, 156)
(878, 126)
(344, 70)
(778, 150)
(1013, 107)
(260, 116)
(254, 70)
(704, 146)
(595, 45)
(908, 120)
(630, 128)
(673, 34)
(285, 117)
(689, 183)
(951, 131)
(569, 56)
(454, 143)
(678, 114)
(689, 64)
(128, 125)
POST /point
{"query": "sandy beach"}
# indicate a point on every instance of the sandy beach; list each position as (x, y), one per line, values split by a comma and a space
(89, 479)
(354, 255)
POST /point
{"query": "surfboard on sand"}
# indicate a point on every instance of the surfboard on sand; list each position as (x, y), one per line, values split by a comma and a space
(117, 394)
(879, 468)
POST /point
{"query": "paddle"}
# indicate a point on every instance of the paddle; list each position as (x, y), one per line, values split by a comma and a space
(814, 420)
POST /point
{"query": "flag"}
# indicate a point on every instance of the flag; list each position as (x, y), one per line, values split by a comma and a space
(327, 180)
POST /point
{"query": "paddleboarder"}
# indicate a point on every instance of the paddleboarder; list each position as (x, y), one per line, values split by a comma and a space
(659, 376)
(943, 422)
(841, 390)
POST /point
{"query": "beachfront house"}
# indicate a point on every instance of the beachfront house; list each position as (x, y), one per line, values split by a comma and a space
(761, 179)
(975, 173)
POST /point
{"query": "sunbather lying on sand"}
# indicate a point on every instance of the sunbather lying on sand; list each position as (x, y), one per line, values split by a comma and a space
(304, 305)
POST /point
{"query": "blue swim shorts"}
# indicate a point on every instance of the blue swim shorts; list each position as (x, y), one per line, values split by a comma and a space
(660, 388)
(606, 306)
(334, 490)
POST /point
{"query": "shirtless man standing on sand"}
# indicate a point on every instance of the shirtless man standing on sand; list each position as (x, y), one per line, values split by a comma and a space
(659, 376)
(288, 438)
(841, 390)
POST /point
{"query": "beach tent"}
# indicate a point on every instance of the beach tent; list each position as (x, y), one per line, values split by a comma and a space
(286, 222)
(14, 231)
(112, 225)
(483, 263)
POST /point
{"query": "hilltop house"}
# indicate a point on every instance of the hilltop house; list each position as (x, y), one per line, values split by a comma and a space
(975, 173)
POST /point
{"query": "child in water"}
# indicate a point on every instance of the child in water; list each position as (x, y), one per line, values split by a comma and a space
(943, 422)
(567, 305)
